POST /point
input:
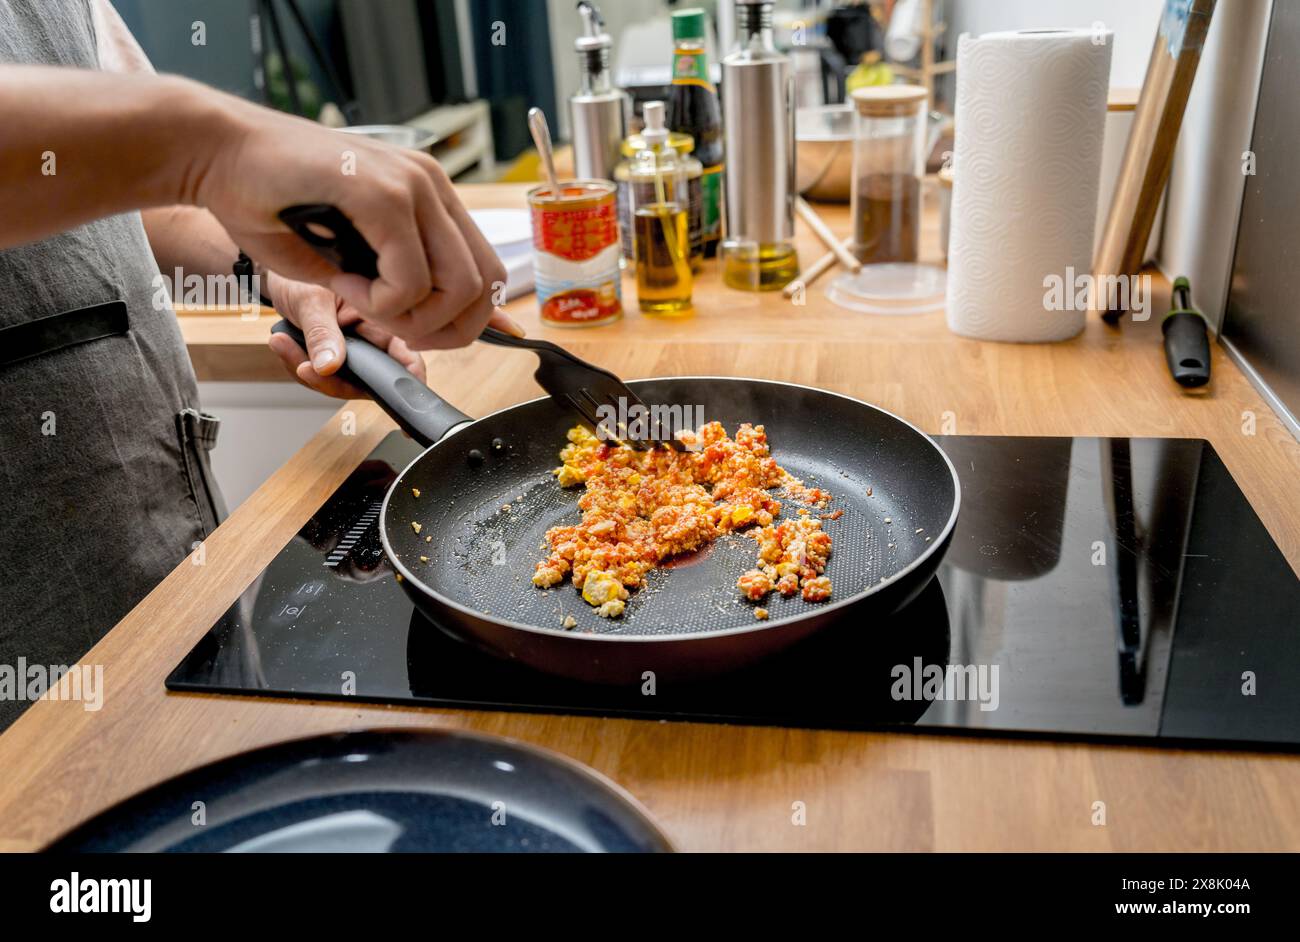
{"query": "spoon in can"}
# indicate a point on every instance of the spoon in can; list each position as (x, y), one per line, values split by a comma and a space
(542, 139)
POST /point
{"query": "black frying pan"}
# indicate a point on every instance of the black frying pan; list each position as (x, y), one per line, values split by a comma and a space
(487, 498)
(689, 620)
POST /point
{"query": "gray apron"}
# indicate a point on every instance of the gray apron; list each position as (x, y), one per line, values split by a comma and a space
(104, 478)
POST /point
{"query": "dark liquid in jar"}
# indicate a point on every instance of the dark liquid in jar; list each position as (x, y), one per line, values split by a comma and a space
(887, 219)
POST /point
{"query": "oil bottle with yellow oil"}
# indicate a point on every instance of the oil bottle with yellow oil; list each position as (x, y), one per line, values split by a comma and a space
(661, 244)
(758, 251)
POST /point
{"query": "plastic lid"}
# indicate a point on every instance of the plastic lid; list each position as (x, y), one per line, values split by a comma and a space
(688, 24)
(891, 288)
(586, 44)
(679, 141)
(889, 101)
(654, 133)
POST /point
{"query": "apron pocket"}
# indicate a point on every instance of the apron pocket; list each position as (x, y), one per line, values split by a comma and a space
(45, 335)
(198, 435)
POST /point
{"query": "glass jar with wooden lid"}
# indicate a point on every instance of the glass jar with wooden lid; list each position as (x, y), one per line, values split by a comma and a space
(888, 168)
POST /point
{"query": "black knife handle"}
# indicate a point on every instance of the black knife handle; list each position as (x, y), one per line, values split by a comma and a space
(1187, 342)
(333, 237)
(1187, 348)
(416, 408)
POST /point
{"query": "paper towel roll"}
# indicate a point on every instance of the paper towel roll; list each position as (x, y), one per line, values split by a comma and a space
(1030, 116)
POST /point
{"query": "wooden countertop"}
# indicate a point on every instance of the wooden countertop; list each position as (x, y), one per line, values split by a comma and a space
(717, 787)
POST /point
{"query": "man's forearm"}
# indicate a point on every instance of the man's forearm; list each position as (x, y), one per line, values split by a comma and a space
(190, 239)
(187, 241)
(80, 145)
(184, 238)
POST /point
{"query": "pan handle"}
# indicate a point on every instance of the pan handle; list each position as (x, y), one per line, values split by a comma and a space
(413, 406)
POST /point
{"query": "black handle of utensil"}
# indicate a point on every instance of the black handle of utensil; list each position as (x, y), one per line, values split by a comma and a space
(1187, 341)
(1187, 349)
(415, 407)
(500, 338)
(333, 237)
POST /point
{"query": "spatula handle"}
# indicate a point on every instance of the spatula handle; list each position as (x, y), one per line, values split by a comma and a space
(333, 237)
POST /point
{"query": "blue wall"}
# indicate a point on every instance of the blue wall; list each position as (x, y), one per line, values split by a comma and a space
(517, 75)
(164, 29)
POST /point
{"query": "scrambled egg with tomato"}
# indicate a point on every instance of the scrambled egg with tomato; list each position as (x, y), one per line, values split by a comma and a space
(792, 556)
(643, 507)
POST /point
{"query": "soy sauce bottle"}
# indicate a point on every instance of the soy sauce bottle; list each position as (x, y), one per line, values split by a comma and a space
(693, 109)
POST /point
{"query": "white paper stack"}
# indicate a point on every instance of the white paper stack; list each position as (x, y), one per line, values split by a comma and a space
(510, 232)
(1030, 116)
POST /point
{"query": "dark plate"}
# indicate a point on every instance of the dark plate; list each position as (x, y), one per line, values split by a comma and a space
(379, 791)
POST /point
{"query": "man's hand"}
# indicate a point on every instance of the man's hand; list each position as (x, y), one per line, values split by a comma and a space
(321, 315)
(438, 276)
(136, 141)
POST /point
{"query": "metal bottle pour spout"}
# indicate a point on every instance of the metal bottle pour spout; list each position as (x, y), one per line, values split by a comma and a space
(758, 129)
(599, 110)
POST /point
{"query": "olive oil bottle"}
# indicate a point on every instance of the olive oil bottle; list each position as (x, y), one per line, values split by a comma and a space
(758, 253)
(660, 235)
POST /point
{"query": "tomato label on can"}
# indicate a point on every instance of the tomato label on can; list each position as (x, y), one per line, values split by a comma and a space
(576, 253)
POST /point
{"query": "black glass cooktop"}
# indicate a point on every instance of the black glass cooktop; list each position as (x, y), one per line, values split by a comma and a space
(1095, 588)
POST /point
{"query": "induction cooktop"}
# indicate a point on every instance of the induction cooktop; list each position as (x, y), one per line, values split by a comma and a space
(1096, 588)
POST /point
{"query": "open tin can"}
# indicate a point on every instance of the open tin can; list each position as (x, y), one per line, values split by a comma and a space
(576, 253)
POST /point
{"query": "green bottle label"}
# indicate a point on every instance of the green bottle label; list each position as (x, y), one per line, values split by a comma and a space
(711, 211)
(691, 68)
